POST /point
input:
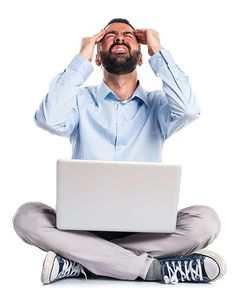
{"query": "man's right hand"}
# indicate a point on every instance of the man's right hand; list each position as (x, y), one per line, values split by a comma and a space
(88, 45)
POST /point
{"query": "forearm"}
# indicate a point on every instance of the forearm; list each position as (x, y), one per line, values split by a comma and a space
(181, 99)
(58, 111)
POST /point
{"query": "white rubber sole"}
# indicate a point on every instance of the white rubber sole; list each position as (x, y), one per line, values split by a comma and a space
(220, 261)
(47, 267)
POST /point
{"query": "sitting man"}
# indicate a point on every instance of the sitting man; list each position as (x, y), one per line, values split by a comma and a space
(119, 120)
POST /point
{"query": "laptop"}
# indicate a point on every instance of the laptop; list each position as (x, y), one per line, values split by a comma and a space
(119, 196)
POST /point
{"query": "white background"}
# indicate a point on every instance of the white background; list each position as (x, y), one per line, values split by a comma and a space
(38, 40)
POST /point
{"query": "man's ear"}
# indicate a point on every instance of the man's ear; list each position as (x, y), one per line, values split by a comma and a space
(140, 59)
(98, 60)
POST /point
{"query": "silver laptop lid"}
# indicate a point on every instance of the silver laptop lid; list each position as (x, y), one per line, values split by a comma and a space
(117, 196)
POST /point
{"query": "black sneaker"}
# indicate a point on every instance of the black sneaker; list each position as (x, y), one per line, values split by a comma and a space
(201, 267)
(56, 267)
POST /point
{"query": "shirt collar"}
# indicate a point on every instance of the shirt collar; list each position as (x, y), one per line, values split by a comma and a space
(103, 91)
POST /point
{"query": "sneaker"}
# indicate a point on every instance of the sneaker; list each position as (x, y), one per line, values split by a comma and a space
(202, 266)
(56, 267)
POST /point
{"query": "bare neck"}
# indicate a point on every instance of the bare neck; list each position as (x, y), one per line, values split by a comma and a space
(122, 85)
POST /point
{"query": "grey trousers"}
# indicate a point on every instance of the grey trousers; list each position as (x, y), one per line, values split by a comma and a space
(119, 255)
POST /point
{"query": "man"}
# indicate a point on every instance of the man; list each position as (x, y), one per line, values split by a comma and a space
(119, 120)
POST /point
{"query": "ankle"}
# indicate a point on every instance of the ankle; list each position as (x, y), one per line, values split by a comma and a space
(154, 271)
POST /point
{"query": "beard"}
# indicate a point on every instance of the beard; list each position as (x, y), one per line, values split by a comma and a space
(122, 63)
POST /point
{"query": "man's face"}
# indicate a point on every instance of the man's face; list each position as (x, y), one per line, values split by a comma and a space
(119, 50)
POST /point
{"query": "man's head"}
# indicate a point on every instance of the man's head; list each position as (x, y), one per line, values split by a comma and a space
(119, 51)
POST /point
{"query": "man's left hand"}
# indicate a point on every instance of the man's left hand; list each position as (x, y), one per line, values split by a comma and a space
(149, 37)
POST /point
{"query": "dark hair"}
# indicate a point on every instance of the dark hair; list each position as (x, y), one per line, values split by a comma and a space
(119, 20)
(116, 20)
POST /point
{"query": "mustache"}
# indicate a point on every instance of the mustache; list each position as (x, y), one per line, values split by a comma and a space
(119, 44)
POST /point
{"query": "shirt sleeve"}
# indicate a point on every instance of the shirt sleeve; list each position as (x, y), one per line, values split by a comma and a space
(177, 105)
(58, 113)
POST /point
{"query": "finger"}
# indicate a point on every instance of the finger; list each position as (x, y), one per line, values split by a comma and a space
(141, 39)
(140, 34)
(101, 33)
(98, 39)
(99, 36)
(140, 30)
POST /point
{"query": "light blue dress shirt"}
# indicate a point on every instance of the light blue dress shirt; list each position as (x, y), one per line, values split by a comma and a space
(100, 127)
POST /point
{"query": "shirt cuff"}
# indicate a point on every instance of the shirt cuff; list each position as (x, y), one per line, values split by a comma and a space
(81, 65)
(161, 59)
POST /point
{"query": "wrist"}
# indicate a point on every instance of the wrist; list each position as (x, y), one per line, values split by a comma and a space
(155, 50)
(84, 55)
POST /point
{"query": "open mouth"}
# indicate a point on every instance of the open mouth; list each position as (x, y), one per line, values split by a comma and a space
(119, 49)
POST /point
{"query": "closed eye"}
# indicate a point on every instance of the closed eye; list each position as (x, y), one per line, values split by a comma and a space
(110, 35)
(114, 33)
(128, 34)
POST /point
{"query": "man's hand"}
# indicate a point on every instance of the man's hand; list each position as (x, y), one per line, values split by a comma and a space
(149, 37)
(88, 45)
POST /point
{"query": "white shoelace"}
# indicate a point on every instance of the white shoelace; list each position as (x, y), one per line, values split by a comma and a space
(186, 271)
(70, 269)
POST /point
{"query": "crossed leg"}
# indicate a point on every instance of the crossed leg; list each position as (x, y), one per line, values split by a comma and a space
(127, 256)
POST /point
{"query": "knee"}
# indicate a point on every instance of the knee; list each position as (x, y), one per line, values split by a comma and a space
(203, 224)
(21, 220)
(207, 225)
